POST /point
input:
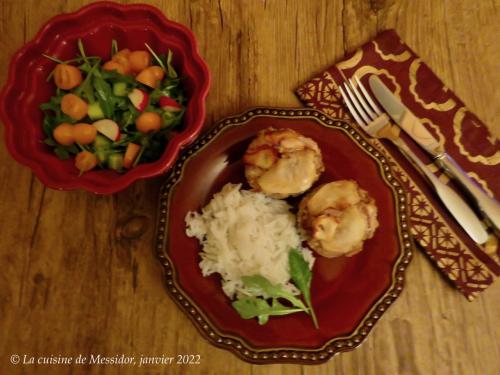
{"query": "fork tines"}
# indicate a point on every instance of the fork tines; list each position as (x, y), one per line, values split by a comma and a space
(359, 102)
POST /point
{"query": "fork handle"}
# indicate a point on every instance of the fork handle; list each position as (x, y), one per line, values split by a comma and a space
(489, 206)
(458, 208)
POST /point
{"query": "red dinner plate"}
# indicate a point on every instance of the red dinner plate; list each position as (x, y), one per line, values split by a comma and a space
(349, 294)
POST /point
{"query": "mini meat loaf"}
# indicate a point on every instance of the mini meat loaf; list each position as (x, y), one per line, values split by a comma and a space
(338, 218)
(282, 163)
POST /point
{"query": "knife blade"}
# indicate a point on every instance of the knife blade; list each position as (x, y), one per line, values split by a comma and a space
(417, 131)
(404, 117)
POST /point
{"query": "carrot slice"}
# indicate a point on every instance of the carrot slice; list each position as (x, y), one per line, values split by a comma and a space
(130, 155)
(67, 76)
(148, 77)
(139, 60)
(74, 106)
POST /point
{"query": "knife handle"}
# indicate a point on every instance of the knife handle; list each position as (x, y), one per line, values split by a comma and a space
(417, 131)
(458, 208)
(489, 206)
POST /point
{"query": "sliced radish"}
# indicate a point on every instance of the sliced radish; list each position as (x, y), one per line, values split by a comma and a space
(139, 99)
(108, 128)
(170, 105)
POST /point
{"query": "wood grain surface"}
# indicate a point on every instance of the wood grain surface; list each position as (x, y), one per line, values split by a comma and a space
(78, 274)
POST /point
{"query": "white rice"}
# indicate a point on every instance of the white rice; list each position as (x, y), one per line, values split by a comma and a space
(244, 233)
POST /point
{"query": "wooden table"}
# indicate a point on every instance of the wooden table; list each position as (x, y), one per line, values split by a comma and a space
(78, 274)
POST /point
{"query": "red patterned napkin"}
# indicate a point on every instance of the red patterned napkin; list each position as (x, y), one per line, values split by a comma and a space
(470, 267)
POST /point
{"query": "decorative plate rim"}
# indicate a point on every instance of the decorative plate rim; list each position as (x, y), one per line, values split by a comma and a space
(238, 345)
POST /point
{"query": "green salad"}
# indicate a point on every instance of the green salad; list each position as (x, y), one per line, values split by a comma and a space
(115, 114)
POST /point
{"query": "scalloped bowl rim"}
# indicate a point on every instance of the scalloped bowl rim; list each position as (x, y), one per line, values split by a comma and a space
(174, 146)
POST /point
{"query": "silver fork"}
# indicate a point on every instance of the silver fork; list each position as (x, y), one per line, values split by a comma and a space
(376, 124)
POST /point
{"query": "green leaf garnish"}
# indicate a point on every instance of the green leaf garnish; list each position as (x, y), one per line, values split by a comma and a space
(170, 69)
(264, 297)
(156, 57)
(253, 307)
(259, 285)
(301, 277)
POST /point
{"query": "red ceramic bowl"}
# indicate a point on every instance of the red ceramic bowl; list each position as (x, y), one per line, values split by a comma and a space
(97, 25)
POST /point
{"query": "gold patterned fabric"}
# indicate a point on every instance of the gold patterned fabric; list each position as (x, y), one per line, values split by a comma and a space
(470, 267)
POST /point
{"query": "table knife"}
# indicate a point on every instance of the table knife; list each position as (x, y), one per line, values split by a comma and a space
(417, 131)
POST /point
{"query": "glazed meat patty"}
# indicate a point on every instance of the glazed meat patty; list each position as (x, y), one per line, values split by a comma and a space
(282, 163)
(338, 217)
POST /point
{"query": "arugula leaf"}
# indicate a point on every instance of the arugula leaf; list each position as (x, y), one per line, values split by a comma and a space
(54, 105)
(53, 114)
(259, 285)
(47, 126)
(81, 49)
(156, 57)
(128, 117)
(155, 95)
(50, 142)
(85, 87)
(49, 106)
(170, 69)
(73, 149)
(113, 76)
(61, 153)
(261, 291)
(257, 305)
(121, 103)
(253, 307)
(171, 120)
(53, 58)
(299, 271)
(171, 88)
(302, 276)
(104, 96)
